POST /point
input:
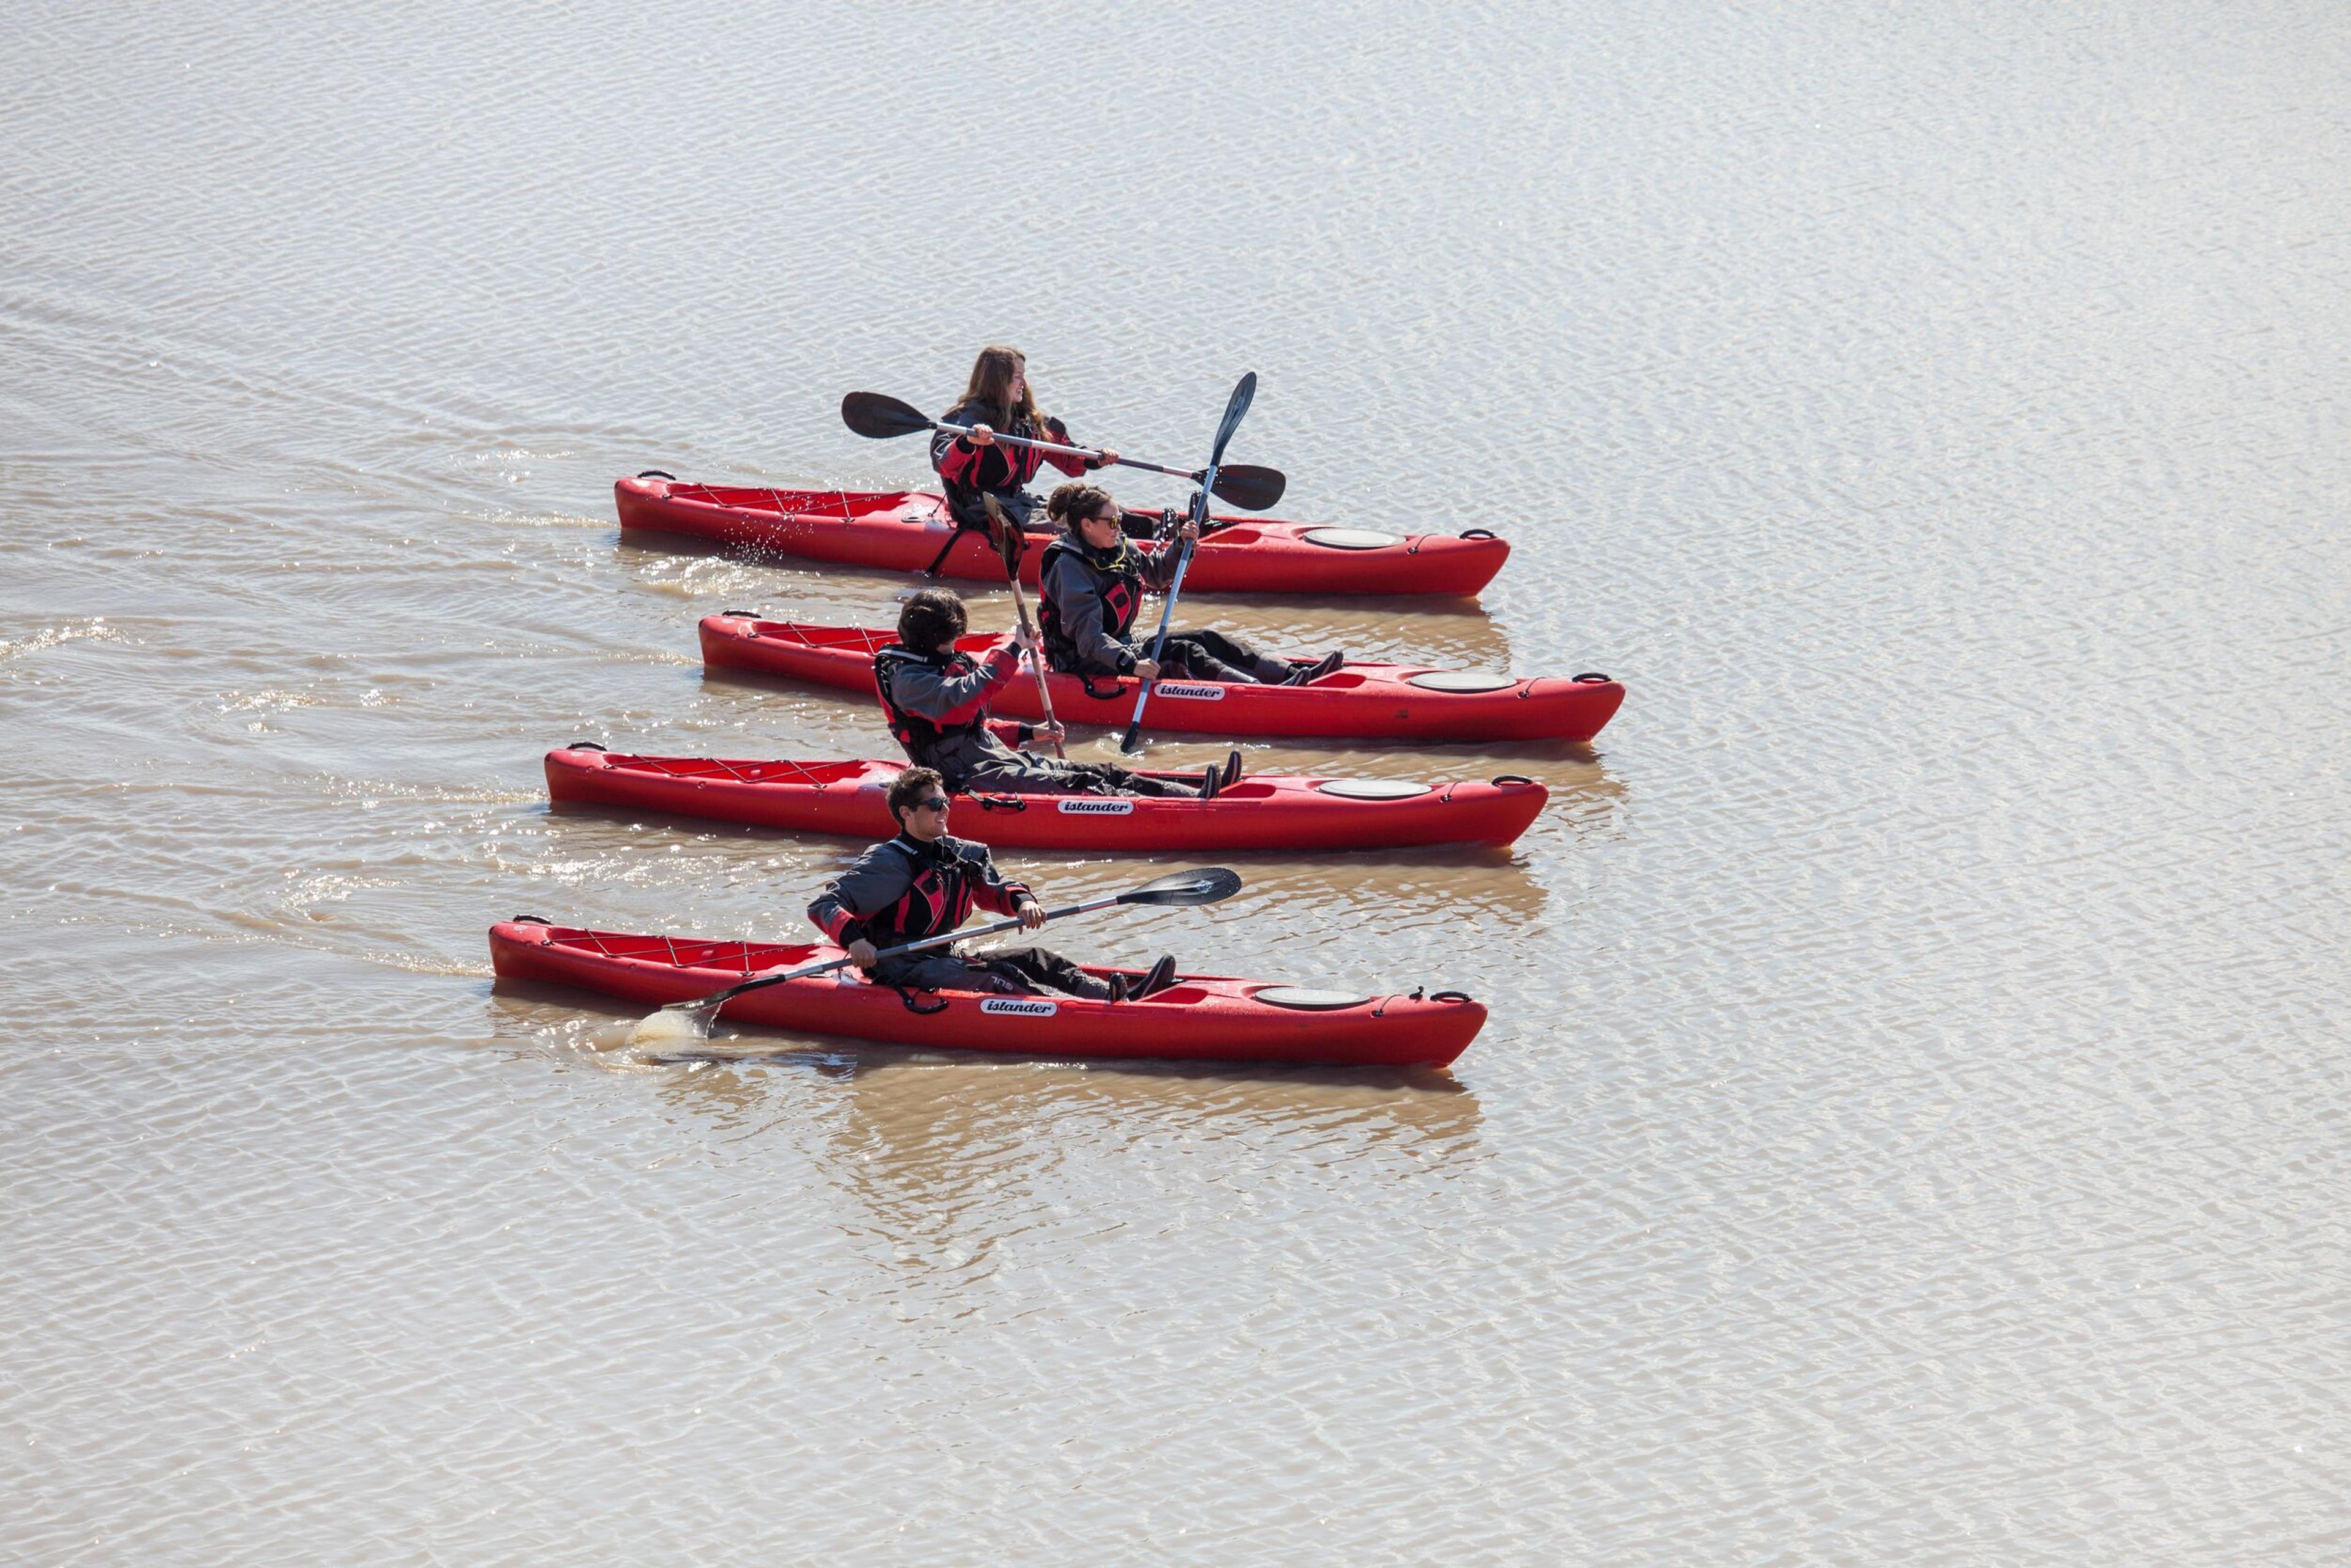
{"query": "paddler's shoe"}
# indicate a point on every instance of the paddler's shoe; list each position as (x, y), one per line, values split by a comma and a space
(1232, 770)
(1328, 664)
(1212, 779)
(1162, 976)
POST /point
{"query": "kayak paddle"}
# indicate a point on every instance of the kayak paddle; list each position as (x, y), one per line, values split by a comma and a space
(1234, 406)
(1010, 542)
(691, 1020)
(1252, 489)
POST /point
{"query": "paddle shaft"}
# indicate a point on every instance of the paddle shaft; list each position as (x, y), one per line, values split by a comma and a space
(1244, 394)
(1036, 656)
(1159, 643)
(945, 939)
(1235, 408)
(1011, 545)
(1065, 451)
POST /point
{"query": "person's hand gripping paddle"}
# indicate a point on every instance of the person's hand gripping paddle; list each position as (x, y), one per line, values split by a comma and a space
(1010, 542)
(1234, 406)
(682, 1023)
(1249, 488)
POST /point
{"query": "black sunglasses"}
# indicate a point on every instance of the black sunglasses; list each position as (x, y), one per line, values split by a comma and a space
(935, 803)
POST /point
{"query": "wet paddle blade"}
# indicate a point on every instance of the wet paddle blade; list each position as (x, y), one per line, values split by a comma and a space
(1252, 489)
(670, 1028)
(1209, 884)
(1006, 535)
(871, 414)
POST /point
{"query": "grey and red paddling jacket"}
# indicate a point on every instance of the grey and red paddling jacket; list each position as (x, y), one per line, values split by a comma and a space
(1086, 601)
(902, 890)
(937, 707)
(969, 472)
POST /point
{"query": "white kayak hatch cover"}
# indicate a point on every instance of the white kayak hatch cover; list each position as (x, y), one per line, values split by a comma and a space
(1372, 788)
(1350, 538)
(1308, 998)
(1460, 681)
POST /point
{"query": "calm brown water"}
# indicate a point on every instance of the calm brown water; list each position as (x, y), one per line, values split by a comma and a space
(1912, 1123)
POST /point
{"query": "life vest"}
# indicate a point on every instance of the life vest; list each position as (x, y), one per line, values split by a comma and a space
(936, 900)
(1000, 471)
(921, 737)
(1117, 583)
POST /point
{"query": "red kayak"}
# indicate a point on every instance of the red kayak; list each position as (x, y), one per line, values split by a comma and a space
(1399, 702)
(902, 530)
(1206, 1017)
(1268, 812)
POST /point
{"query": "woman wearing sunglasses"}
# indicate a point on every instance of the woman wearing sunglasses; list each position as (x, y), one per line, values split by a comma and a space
(923, 883)
(1091, 585)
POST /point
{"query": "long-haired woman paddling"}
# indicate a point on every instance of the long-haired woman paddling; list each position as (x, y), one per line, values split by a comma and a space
(998, 401)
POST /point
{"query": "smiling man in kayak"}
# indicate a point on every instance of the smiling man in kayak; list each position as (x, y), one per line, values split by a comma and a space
(935, 697)
(1091, 585)
(923, 883)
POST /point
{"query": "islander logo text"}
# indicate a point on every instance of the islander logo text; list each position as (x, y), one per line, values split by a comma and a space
(1023, 1006)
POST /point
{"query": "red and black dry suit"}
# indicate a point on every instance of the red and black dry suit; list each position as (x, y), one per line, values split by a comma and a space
(969, 472)
(936, 704)
(1086, 604)
(905, 889)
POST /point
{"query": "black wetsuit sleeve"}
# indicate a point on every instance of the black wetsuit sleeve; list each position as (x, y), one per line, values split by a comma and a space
(952, 700)
(1159, 566)
(878, 880)
(1058, 432)
(991, 888)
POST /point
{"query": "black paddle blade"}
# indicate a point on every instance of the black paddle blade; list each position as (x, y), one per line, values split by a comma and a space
(1209, 884)
(1251, 489)
(871, 414)
(1243, 392)
(1006, 535)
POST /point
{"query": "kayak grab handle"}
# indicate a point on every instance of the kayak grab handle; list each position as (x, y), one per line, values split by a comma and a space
(656, 474)
(1590, 678)
(1417, 993)
(1513, 778)
(530, 920)
(586, 745)
(1466, 533)
(1116, 689)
